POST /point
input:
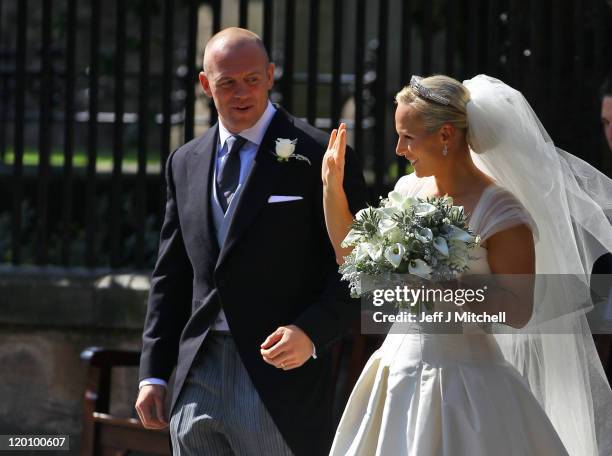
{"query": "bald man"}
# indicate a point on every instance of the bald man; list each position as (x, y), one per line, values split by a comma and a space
(245, 298)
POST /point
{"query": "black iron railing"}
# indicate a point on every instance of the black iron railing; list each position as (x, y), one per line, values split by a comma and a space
(95, 94)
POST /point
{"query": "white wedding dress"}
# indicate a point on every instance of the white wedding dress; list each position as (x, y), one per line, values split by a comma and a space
(426, 394)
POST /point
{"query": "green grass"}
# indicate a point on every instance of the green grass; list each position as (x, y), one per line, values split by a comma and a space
(393, 171)
(104, 160)
(79, 160)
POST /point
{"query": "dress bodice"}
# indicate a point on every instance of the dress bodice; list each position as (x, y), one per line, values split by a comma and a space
(440, 343)
(497, 209)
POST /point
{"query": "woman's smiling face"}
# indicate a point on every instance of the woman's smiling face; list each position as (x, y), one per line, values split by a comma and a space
(415, 143)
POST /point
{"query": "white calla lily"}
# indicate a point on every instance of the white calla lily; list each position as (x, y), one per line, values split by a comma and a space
(386, 225)
(394, 254)
(396, 198)
(400, 201)
(424, 235)
(424, 209)
(375, 251)
(361, 252)
(409, 202)
(389, 212)
(351, 238)
(441, 246)
(419, 268)
(395, 235)
(459, 234)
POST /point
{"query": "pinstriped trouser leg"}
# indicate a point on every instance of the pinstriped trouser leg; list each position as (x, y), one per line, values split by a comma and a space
(219, 411)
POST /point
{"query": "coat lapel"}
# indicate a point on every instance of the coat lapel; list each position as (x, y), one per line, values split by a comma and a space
(259, 184)
(201, 172)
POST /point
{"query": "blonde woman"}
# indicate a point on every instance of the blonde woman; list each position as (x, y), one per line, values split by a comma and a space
(452, 394)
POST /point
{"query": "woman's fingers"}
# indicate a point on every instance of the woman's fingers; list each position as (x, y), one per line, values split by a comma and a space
(340, 146)
(342, 127)
(341, 154)
(336, 150)
(332, 139)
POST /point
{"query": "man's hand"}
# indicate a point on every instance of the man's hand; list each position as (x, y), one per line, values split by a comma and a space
(287, 348)
(152, 397)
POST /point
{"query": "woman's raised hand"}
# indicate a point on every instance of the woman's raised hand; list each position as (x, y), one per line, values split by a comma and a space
(338, 216)
(332, 171)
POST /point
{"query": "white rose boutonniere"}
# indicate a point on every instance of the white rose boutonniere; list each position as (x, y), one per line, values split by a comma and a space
(285, 150)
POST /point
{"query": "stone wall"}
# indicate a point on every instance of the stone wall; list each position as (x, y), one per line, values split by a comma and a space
(48, 316)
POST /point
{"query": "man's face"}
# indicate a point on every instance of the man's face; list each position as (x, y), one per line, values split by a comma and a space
(238, 79)
(606, 119)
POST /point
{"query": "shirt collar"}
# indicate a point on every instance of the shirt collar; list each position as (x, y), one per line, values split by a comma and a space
(254, 134)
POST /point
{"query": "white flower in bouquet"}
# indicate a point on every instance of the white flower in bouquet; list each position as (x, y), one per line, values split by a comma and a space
(375, 251)
(420, 268)
(424, 209)
(386, 226)
(395, 235)
(395, 253)
(361, 252)
(428, 238)
(352, 238)
(459, 234)
(441, 245)
(399, 201)
(424, 235)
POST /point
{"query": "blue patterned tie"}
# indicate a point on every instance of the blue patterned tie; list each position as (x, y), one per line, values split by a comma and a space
(229, 174)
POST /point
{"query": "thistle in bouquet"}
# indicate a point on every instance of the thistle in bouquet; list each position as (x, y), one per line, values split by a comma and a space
(427, 238)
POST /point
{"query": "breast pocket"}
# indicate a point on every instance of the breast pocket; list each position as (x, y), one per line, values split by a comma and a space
(287, 219)
(287, 211)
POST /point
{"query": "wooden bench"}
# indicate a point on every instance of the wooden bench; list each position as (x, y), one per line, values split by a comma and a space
(105, 434)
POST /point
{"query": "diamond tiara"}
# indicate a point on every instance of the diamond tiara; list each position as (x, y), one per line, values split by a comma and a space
(424, 92)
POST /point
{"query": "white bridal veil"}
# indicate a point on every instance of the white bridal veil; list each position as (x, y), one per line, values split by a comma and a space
(568, 199)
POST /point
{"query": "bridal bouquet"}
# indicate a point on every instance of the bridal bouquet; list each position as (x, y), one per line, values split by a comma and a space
(428, 238)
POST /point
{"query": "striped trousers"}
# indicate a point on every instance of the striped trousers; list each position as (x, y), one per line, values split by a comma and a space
(219, 411)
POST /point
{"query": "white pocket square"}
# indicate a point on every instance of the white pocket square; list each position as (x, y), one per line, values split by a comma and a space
(283, 198)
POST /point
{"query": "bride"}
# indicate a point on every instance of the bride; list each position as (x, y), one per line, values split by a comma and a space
(538, 210)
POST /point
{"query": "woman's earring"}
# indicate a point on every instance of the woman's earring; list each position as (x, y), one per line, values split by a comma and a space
(445, 150)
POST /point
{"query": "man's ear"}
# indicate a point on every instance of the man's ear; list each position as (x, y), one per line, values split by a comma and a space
(270, 74)
(205, 83)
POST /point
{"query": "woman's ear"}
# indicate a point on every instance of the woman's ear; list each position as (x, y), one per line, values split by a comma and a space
(447, 132)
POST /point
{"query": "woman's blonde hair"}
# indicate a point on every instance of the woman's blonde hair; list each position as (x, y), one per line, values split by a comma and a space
(433, 113)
